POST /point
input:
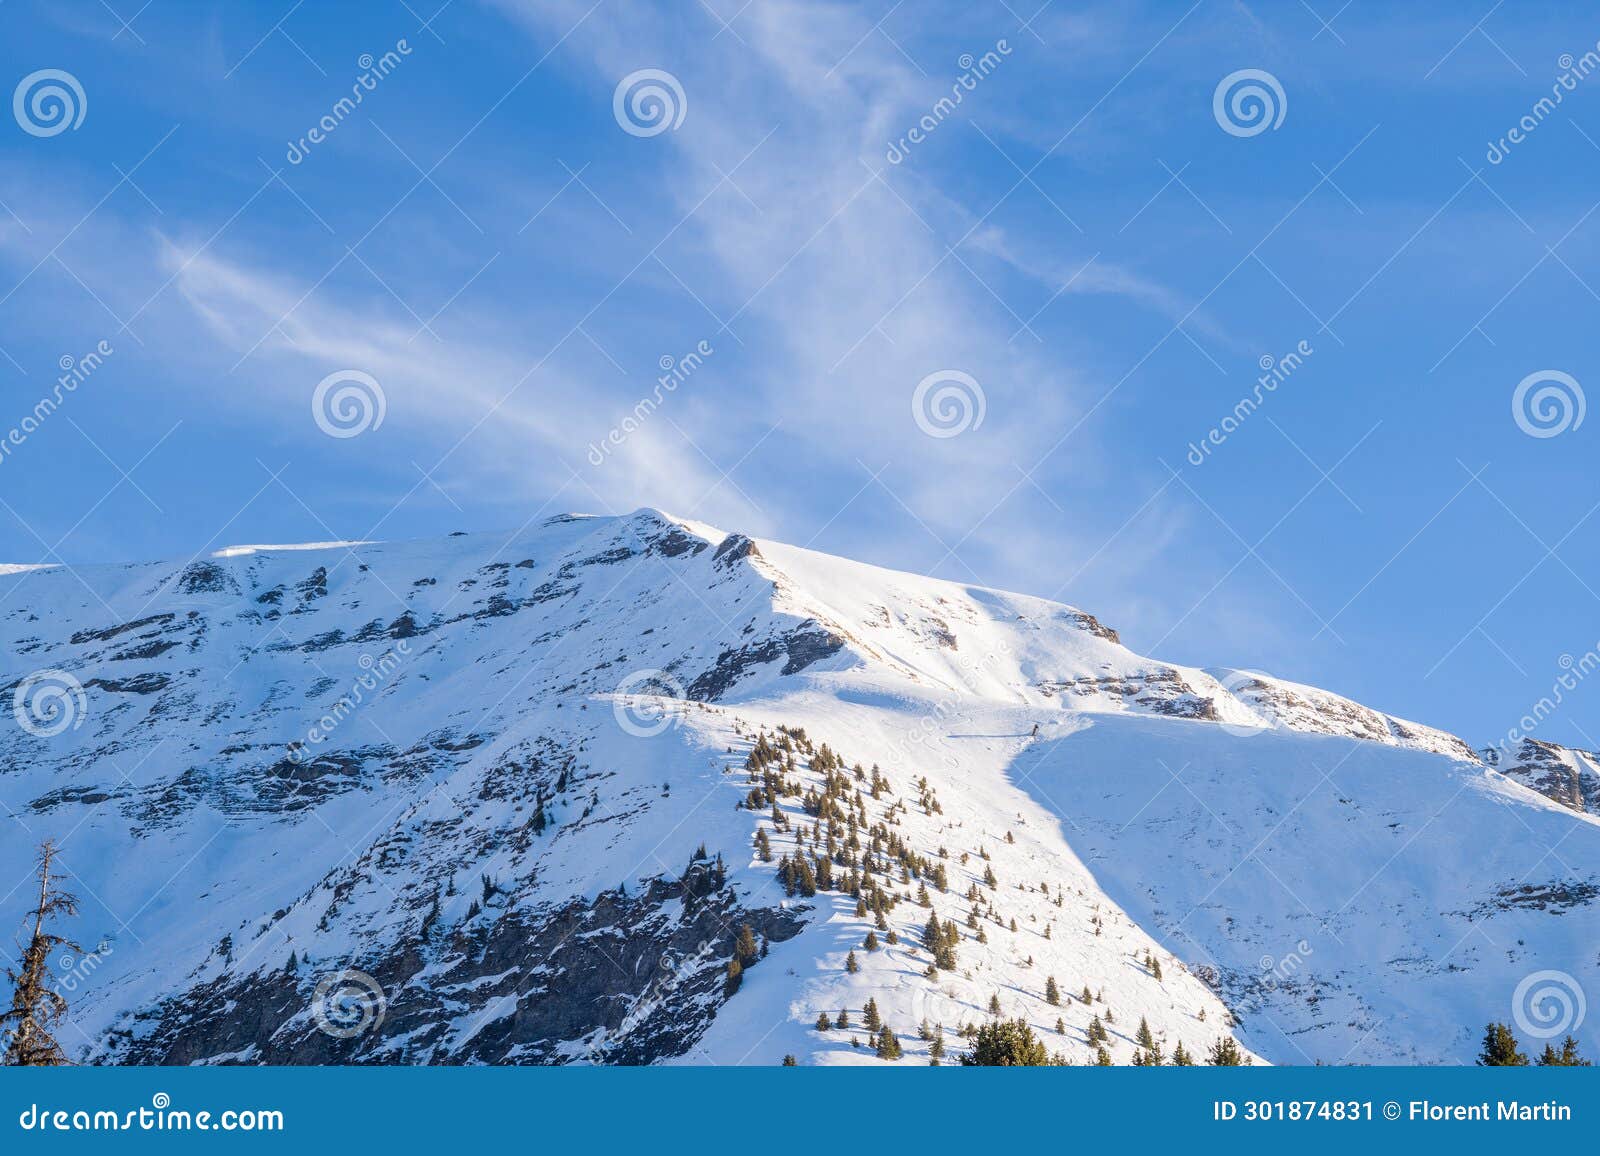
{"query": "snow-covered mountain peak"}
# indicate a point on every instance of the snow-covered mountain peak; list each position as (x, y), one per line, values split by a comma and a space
(506, 775)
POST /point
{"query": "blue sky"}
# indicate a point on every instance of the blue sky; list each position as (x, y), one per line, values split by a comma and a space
(1081, 237)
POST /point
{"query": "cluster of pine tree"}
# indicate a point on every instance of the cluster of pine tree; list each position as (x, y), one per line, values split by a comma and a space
(841, 849)
(1501, 1050)
(746, 954)
(940, 939)
(1227, 1054)
(837, 846)
(1008, 1044)
(881, 1037)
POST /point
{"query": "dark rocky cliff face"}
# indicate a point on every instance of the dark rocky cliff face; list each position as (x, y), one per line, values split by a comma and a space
(620, 980)
(1570, 777)
(442, 706)
(432, 802)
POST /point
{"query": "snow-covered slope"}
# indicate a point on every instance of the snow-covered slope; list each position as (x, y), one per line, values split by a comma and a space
(510, 779)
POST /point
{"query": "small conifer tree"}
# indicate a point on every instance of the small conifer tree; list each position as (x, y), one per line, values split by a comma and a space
(1144, 1037)
(744, 946)
(1567, 1057)
(1226, 1054)
(1500, 1048)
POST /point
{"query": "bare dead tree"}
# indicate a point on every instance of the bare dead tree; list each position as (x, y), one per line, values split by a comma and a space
(25, 1028)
